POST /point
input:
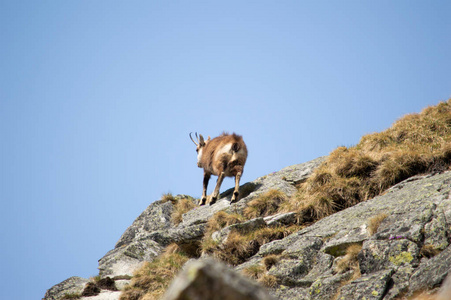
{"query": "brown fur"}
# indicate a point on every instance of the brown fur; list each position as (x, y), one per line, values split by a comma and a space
(223, 156)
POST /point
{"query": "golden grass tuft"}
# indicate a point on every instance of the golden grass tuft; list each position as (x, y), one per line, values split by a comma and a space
(270, 260)
(269, 281)
(375, 222)
(265, 204)
(240, 246)
(429, 251)
(415, 144)
(259, 271)
(350, 261)
(181, 206)
(254, 271)
(153, 278)
(168, 197)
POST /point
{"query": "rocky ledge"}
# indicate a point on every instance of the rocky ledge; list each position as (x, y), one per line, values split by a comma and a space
(390, 247)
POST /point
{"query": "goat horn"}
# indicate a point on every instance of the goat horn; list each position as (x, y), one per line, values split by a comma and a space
(192, 138)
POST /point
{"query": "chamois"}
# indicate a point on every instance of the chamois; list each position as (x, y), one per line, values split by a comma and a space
(222, 156)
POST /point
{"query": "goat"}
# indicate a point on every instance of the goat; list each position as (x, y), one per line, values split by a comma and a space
(223, 156)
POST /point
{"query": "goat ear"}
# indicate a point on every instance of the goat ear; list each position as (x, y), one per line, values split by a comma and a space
(209, 138)
(201, 140)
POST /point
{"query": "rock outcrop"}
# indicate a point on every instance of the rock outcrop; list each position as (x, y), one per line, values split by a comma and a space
(407, 252)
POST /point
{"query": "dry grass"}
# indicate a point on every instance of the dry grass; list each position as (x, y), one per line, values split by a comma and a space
(240, 246)
(270, 260)
(259, 271)
(429, 251)
(168, 197)
(265, 204)
(375, 222)
(350, 261)
(222, 219)
(153, 278)
(255, 271)
(415, 144)
(181, 206)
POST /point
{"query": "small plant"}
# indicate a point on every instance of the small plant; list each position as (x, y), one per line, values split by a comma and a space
(269, 281)
(153, 278)
(240, 246)
(350, 261)
(259, 271)
(181, 207)
(222, 219)
(168, 197)
(270, 260)
(375, 222)
(429, 251)
(265, 204)
(254, 271)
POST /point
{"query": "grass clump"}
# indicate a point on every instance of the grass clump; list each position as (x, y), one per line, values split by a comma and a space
(415, 144)
(429, 251)
(259, 272)
(153, 278)
(375, 222)
(168, 197)
(181, 206)
(349, 261)
(239, 246)
(265, 204)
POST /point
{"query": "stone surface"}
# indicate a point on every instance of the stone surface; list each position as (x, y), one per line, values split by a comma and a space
(70, 286)
(125, 259)
(210, 279)
(409, 252)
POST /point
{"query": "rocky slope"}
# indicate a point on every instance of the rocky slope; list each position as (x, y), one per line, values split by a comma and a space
(388, 247)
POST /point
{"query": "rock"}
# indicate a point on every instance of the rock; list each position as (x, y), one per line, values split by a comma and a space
(104, 295)
(156, 217)
(367, 287)
(71, 286)
(431, 274)
(209, 279)
(325, 288)
(409, 252)
(126, 259)
(386, 254)
(281, 219)
(296, 261)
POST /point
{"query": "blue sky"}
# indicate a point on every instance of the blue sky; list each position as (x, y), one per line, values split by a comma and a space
(97, 99)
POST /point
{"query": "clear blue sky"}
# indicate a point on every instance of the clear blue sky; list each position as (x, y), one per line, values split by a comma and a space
(97, 99)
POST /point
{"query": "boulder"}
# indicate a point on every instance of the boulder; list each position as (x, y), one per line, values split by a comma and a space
(71, 286)
(210, 279)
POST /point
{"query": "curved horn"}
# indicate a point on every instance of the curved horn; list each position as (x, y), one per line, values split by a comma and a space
(193, 139)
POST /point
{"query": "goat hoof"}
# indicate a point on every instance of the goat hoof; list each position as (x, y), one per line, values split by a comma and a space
(234, 198)
(202, 201)
(212, 201)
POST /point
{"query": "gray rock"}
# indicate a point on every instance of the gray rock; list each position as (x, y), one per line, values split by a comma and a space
(387, 254)
(371, 286)
(71, 286)
(156, 217)
(326, 287)
(431, 274)
(392, 261)
(281, 219)
(209, 279)
(126, 259)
